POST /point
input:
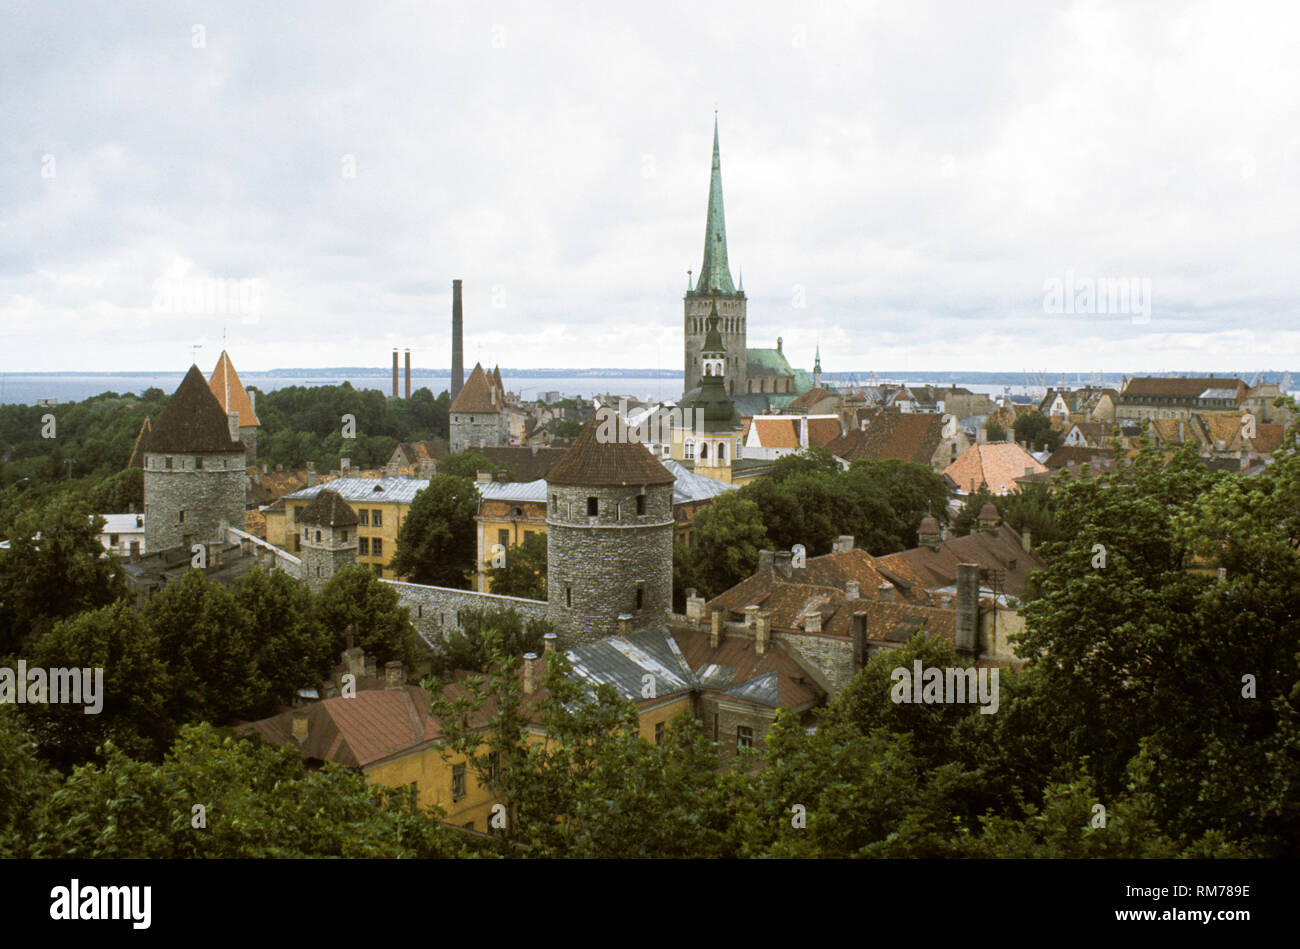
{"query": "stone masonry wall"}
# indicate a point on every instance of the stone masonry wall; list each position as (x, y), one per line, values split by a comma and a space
(207, 496)
(435, 609)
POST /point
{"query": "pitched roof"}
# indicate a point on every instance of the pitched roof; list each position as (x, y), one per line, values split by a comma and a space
(137, 449)
(823, 429)
(736, 669)
(328, 509)
(590, 462)
(478, 395)
(193, 421)
(775, 431)
(811, 398)
(903, 436)
(358, 730)
(225, 385)
(435, 449)
(997, 551)
(998, 465)
(1175, 387)
(524, 463)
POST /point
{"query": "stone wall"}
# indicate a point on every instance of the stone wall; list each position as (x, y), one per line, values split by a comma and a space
(435, 609)
(208, 495)
(477, 430)
(731, 326)
(597, 565)
(832, 655)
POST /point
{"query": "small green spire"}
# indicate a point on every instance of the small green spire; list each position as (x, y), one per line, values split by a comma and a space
(818, 363)
(712, 338)
(715, 273)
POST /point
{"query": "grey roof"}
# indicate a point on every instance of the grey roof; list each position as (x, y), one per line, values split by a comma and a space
(762, 689)
(693, 487)
(392, 490)
(514, 491)
(1218, 394)
(622, 662)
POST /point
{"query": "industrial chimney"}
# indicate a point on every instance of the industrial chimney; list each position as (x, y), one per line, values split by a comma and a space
(394, 373)
(457, 341)
(408, 373)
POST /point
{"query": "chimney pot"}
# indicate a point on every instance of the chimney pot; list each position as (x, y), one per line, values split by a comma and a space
(885, 592)
(812, 622)
(530, 673)
(751, 612)
(625, 624)
(784, 565)
(765, 559)
(762, 632)
(715, 628)
(394, 674)
(548, 642)
(852, 589)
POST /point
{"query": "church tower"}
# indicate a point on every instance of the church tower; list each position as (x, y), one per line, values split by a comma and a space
(713, 288)
(712, 435)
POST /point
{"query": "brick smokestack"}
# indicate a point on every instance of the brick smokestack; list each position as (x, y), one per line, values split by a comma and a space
(394, 373)
(408, 373)
(968, 605)
(457, 341)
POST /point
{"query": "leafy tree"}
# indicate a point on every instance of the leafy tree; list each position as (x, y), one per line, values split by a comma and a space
(895, 496)
(967, 517)
(728, 535)
(467, 464)
(133, 695)
(116, 493)
(524, 572)
(568, 428)
(354, 597)
(27, 781)
(995, 432)
(1032, 507)
(1034, 430)
(685, 575)
(54, 568)
(466, 648)
(436, 543)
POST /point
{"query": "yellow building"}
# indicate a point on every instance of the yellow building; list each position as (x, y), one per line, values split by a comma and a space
(381, 506)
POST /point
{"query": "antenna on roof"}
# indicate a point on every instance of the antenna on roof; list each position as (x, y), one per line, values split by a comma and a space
(194, 352)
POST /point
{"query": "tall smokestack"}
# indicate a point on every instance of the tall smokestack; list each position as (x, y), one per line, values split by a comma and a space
(408, 373)
(457, 344)
(394, 373)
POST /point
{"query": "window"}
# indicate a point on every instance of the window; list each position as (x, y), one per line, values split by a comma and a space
(659, 733)
(112, 540)
(376, 547)
(457, 781)
(640, 596)
(169, 464)
(744, 736)
(376, 518)
(528, 534)
(363, 517)
(345, 537)
(363, 546)
(688, 450)
(379, 569)
(503, 538)
(593, 507)
(198, 464)
(297, 544)
(568, 595)
(180, 517)
(318, 537)
(640, 504)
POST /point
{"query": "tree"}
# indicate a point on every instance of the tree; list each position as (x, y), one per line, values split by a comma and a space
(1034, 431)
(355, 598)
(290, 650)
(524, 571)
(133, 695)
(467, 464)
(466, 648)
(728, 535)
(436, 543)
(994, 432)
(54, 568)
(27, 782)
(908, 491)
(965, 520)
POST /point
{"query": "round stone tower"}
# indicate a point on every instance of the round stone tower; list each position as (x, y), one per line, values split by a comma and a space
(329, 538)
(194, 478)
(609, 538)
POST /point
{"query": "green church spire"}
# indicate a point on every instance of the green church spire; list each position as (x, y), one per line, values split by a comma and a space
(715, 273)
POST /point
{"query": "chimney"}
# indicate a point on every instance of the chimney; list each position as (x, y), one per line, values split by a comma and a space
(394, 373)
(371, 666)
(548, 642)
(715, 628)
(394, 675)
(232, 418)
(266, 469)
(457, 344)
(852, 589)
(751, 612)
(812, 622)
(501, 477)
(408, 373)
(885, 592)
(625, 624)
(300, 725)
(345, 467)
(530, 673)
(765, 559)
(843, 544)
(311, 474)
(968, 603)
(762, 632)
(859, 639)
(783, 563)
(214, 554)
(694, 606)
(1026, 542)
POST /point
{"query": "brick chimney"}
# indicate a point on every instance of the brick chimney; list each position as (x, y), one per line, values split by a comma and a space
(852, 589)
(715, 628)
(885, 592)
(394, 373)
(859, 638)
(311, 474)
(625, 624)
(762, 632)
(968, 605)
(530, 673)
(394, 675)
(812, 622)
(784, 564)
(501, 477)
(765, 559)
(408, 373)
(751, 612)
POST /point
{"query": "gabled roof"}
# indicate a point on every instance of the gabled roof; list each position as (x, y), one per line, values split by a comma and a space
(736, 669)
(137, 449)
(998, 465)
(478, 395)
(810, 398)
(588, 462)
(1162, 387)
(767, 362)
(435, 449)
(775, 431)
(904, 436)
(998, 551)
(225, 385)
(524, 463)
(823, 429)
(193, 421)
(328, 509)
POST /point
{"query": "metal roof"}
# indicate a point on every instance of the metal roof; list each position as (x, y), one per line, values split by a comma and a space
(1218, 394)
(622, 663)
(514, 491)
(122, 523)
(693, 487)
(381, 490)
(762, 689)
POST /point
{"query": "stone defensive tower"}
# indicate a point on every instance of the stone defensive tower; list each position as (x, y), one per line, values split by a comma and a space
(609, 538)
(713, 287)
(194, 476)
(329, 538)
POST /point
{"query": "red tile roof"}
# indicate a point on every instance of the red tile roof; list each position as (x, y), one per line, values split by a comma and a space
(998, 465)
(225, 385)
(478, 395)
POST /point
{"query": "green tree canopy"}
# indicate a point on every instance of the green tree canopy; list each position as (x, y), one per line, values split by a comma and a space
(436, 543)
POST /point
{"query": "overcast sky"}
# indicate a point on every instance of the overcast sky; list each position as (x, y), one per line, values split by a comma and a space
(903, 181)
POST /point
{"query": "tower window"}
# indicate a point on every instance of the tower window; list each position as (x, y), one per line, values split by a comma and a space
(640, 597)
(198, 464)
(593, 507)
(169, 464)
(640, 504)
(568, 595)
(318, 537)
(180, 517)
